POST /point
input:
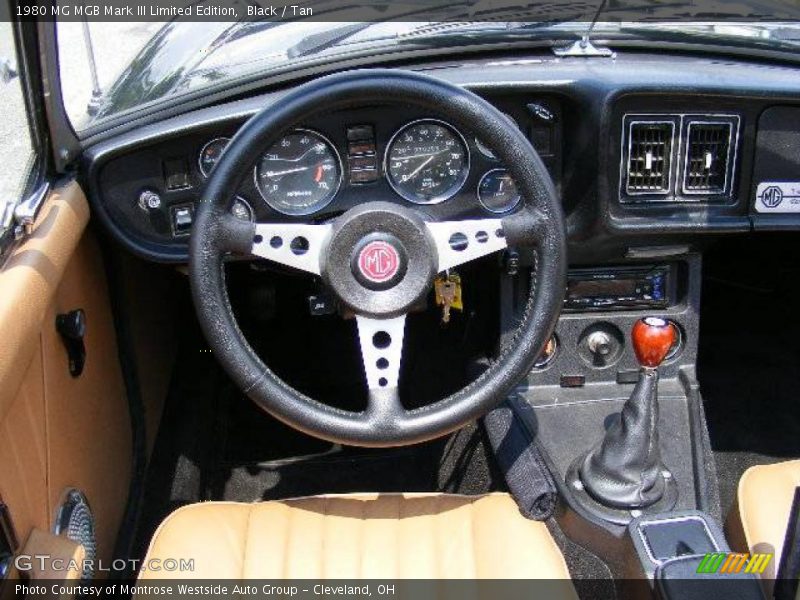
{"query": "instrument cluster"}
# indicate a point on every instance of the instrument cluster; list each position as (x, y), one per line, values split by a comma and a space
(425, 162)
(150, 188)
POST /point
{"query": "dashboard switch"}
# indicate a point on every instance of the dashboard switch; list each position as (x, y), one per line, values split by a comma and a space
(363, 175)
(182, 217)
(361, 154)
(321, 304)
(362, 148)
(357, 133)
(541, 112)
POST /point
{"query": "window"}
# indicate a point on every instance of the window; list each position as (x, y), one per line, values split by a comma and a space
(16, 151)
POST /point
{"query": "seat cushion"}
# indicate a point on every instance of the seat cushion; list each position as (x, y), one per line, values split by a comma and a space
(765, 501)
(359, 536)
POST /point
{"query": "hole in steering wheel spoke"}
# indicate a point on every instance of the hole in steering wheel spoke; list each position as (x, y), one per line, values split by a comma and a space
(382, 363)
(458, 242)
(299, 245)
(381, 340)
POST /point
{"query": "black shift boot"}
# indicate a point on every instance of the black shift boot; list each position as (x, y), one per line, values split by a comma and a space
(625, 469)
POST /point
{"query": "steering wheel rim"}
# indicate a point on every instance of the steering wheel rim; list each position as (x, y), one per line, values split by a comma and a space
(385, 423)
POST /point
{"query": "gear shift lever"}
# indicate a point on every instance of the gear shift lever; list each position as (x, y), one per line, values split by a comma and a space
(652, 338)
(624, 470)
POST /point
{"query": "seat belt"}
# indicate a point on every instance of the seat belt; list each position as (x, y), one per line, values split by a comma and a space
(787, 579)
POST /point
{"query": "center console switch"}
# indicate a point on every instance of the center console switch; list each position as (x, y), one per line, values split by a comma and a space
(684, 556)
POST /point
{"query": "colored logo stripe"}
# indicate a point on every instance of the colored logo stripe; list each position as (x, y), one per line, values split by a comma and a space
(758, 563)
(733, 562)
(711, 562)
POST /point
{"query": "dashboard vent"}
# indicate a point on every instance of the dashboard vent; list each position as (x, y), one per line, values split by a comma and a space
(708, 157)
(650, 157)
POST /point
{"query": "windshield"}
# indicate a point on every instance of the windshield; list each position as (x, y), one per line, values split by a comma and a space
(110, 69)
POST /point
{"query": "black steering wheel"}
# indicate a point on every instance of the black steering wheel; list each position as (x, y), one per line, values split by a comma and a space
(409, 249)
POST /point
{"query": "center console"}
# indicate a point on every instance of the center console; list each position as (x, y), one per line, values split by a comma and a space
(601, 303)
(589, 380)
(684, 555)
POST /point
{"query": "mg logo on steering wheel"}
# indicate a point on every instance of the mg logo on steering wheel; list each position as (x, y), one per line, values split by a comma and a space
(378, 261)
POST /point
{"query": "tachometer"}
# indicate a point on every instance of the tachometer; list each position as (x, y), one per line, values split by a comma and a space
(300, 174)
(427, 161)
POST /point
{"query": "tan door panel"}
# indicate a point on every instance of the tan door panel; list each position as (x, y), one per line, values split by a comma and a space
(23, 452)
(88, 419)
(29, 280)
(60, 432)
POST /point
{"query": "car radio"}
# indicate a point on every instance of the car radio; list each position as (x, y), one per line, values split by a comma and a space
(618, 288)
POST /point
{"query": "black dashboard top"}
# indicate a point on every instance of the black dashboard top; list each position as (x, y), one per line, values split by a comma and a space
(645, 150)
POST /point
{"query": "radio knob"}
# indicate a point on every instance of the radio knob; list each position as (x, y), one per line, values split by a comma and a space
(599, 343)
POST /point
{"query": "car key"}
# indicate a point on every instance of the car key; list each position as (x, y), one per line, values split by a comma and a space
(448, 294)
(448, 291)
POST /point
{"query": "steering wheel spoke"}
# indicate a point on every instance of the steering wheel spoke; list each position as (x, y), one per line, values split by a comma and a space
(458, 242)
(381, 343)
(297, 245)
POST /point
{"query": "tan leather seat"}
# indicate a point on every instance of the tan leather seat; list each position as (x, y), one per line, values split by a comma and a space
(765, 501)
(360, 536)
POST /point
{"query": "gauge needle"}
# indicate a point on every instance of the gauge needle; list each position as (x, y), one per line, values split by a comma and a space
(318, 174)
(286, 172)
(419, 168)
(295, 159)
(421, 155)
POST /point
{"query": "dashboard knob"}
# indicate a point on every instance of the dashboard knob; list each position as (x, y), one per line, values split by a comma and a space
(652, 339)
(599, 343)
(149, 200)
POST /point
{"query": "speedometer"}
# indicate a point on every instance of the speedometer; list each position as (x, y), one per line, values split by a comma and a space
(299, 174)
(427, 161)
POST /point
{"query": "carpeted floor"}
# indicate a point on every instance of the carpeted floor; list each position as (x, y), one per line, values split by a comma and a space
(749, 362)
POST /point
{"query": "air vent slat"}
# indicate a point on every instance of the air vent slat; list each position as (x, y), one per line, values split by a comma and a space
(649, 157)
(708, 147)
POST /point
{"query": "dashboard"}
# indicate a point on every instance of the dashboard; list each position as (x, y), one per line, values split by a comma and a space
(321, 168)
(644, 150)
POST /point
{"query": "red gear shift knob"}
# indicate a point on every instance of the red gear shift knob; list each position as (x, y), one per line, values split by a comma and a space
(652, 338)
